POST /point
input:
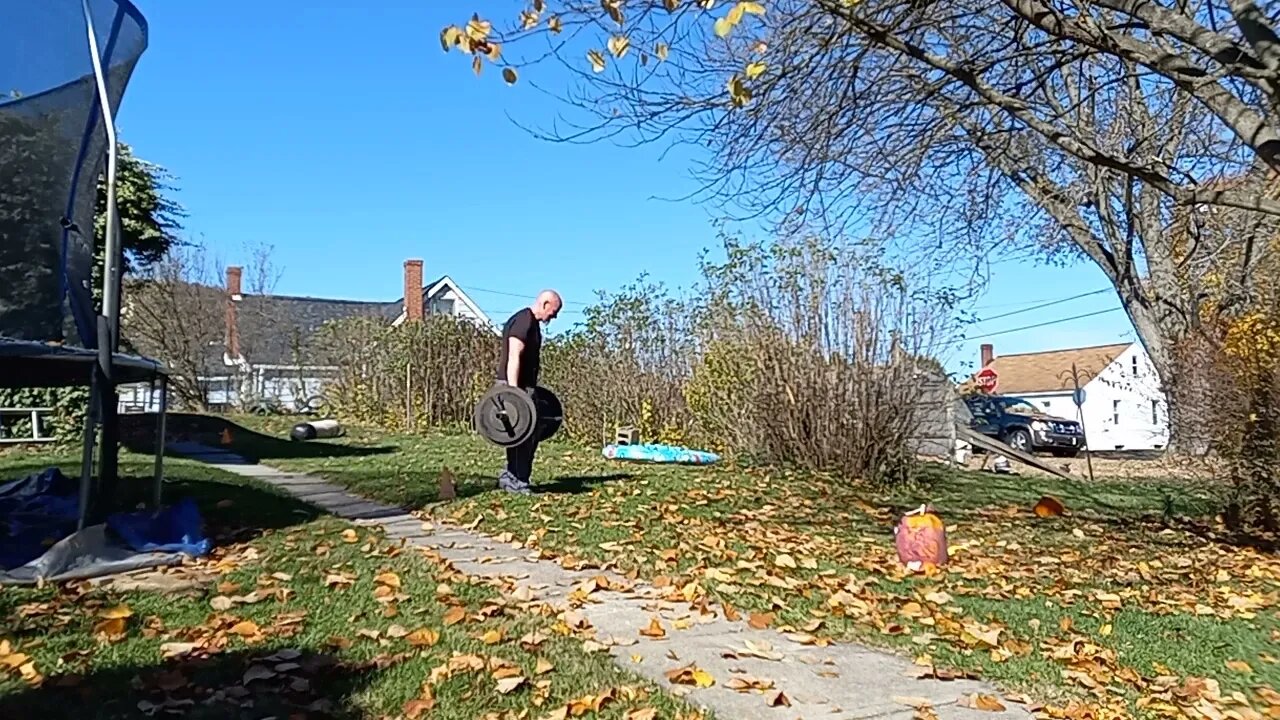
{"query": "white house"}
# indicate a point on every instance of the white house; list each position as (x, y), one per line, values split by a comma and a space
(1124, 407)
(263, 361)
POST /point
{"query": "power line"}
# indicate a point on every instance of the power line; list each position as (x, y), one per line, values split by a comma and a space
(516, 295)
(1050, 303)
(1043, 324)
(1020, 303)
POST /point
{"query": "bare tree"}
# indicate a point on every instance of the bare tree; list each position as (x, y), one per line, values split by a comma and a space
(174, 312)
(1080, 129)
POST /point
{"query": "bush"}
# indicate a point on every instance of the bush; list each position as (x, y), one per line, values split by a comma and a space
(65, 424)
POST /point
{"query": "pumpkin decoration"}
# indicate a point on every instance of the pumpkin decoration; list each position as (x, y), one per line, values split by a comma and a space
(921, 538)
(1049, 506)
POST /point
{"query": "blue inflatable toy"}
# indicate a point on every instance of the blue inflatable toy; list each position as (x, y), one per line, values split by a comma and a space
(660, 454)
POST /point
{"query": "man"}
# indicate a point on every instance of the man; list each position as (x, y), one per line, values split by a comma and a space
(518, 367)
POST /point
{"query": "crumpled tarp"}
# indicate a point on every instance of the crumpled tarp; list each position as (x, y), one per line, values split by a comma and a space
(39, 542)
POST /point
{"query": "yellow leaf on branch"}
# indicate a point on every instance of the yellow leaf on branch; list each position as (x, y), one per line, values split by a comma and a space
(755, 70)
(739, 93)
(450, 37)
(618, 45)
(661, 50)
(478, 29)
(596, 59)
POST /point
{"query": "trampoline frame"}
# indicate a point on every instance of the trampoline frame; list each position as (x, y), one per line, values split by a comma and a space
(103, 368)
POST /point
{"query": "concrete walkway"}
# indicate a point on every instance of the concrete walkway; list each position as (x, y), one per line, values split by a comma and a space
(838, 682)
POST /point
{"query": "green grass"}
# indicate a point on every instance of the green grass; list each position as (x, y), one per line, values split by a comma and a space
(345, 652)
(1120, 582)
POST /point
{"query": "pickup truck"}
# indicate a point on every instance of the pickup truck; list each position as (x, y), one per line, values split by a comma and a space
(1023, 426)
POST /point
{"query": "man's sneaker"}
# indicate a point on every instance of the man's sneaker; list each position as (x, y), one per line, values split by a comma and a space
(512, 485)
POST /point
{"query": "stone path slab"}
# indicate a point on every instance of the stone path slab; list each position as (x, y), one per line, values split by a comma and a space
(837, 682)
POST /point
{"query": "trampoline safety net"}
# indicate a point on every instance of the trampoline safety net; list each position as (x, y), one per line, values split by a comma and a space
(52, 155)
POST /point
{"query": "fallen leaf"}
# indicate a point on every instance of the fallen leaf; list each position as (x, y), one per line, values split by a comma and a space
(221, 603)
(543, 667)
(915, 702)
(979, 701)
(424, 637)
(507, 685)
(777, 698)
(491, 637)
(760, 621)
(654, 630)
(350, 536)
(389, 579)
(785, 561)
(1239, 666)
(746, 683)
(641, 714)
(118, 612)
(258, 672)
(455, 615)
(112, 628)
(415, 708)
(690, 675)
(245, 628)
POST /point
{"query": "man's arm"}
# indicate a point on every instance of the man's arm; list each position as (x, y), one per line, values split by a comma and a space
(515, 346)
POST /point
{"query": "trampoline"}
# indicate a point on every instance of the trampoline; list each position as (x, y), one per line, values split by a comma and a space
(64, 66)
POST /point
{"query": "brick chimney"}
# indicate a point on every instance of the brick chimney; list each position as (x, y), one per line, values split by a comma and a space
(233, 296)
(988, 354)
(412, 290)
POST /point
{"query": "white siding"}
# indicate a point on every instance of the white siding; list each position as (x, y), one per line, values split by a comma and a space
(447, 302)
(1057, 404)
(1124, 408)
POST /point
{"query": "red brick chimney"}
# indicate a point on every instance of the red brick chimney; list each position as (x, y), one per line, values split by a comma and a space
(412, 290)
(233, 296)
(988, 354)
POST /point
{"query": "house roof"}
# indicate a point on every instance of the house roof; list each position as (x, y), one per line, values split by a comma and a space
(433, 289)
(1051, 371)
(277, 329)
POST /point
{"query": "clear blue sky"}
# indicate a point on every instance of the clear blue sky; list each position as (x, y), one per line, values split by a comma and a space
(341, 135)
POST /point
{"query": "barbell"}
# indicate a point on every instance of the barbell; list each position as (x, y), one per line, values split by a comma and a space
(508, 416)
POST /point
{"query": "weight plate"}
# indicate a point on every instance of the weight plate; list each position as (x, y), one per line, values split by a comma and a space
(505, 416)
(550, 412)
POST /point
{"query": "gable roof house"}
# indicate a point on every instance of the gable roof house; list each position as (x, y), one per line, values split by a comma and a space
(1124, 406)
(266, 358)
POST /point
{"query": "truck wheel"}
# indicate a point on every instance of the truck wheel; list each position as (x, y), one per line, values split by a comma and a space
(1018, 440)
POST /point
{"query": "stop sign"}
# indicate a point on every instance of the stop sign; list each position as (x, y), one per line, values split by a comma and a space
(987, 380)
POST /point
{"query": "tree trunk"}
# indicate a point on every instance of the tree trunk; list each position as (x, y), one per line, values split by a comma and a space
(1181, 361)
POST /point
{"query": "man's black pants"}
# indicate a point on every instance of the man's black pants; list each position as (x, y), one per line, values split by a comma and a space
(519, 468)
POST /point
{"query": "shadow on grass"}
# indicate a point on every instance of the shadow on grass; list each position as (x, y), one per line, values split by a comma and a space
(259, 684)
(138, 433)
(577, 484)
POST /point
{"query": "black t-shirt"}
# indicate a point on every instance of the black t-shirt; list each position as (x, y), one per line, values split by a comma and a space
(525, 326)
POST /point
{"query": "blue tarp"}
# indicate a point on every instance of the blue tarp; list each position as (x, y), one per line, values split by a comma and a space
(35, 512)
(655, 453)
(41, 509)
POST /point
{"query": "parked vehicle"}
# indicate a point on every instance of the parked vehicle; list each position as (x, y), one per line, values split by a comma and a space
(1023, 426)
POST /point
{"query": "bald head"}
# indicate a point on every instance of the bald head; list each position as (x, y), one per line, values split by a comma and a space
(546, 306)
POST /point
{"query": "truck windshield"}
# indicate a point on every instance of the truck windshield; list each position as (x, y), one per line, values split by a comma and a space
(1018, 406)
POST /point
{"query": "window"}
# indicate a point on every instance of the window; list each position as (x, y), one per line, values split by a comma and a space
(1134, 360)
(1115, 412)
(1155, 420)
